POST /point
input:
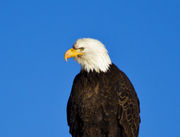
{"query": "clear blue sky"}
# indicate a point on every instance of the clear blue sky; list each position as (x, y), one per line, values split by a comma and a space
(143, 40)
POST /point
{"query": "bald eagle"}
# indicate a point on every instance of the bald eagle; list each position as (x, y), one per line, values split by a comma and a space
(103, 102)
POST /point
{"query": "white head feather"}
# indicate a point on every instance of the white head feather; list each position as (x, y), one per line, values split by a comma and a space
(95, 56)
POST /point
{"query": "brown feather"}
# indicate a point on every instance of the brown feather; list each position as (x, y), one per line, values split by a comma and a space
(103, 105)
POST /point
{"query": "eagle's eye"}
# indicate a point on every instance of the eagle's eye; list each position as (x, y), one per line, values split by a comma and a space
(81, 48)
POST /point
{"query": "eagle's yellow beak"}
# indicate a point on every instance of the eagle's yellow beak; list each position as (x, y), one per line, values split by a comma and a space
(72, 53)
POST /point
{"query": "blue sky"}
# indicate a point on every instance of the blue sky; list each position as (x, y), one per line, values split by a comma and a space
(142, 38)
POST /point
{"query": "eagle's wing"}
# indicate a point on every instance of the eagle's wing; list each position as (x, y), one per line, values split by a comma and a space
(128, 111)
(69, 110)
(71, 116)
(72, 110)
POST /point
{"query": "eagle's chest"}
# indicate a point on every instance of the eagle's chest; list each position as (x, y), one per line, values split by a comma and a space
(96, 103)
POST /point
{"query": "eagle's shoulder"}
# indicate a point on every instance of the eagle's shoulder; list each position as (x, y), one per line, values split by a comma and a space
(128, 105)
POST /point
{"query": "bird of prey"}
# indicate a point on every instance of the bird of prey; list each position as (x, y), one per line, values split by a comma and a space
(103, 101)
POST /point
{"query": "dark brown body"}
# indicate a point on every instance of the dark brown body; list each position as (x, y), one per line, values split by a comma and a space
(103, 105)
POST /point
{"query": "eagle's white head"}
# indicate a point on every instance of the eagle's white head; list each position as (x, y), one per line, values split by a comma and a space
(91, 54)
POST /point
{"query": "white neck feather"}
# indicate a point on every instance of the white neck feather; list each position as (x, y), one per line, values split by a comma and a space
(98, 64)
